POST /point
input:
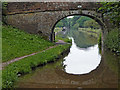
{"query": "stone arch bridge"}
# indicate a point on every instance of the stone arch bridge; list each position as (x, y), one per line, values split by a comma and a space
(41, 17)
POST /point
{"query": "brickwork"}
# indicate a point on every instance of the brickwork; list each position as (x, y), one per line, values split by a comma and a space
(41, 18)
(22, 7)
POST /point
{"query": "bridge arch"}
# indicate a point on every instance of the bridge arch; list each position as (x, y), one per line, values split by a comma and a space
(41, 20)
(92, 15)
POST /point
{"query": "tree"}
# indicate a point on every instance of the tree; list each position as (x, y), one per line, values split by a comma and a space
(65, 22)
(74, 19)
(76, 26)
(91, 24)
(59, 24)
(81, 21)
(112, 10)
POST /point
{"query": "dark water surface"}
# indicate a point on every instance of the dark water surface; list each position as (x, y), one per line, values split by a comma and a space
(81, 68)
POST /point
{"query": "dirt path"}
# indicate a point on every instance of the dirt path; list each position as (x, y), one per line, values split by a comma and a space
(60, 42)
(19, 58)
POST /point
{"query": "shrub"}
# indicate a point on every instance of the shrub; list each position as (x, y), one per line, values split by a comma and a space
(112, 41)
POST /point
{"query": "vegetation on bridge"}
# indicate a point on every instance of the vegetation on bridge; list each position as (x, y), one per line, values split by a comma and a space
(112, 41)
(112, 10)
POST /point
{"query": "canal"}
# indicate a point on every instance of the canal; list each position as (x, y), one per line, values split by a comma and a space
(85, 66)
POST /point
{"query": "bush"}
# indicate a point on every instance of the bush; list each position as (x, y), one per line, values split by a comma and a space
(112, 41)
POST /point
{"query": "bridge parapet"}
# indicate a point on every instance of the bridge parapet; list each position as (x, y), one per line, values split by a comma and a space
(27, 7)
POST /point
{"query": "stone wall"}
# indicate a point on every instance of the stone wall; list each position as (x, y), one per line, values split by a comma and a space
(25, 7)
(41, 18)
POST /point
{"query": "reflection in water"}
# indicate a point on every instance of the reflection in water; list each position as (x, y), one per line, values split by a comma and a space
(78, 61)
(82, 39)
(52, 76)
(81, 61)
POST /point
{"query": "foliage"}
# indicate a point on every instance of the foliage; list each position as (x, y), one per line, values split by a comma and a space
(77, 22)
(74, 19)
(64, 39)
(76, 26)
(111, 10)
(16, 43)
(63, 23)
(58, 29)
(61, 36)
(59, 24)
(112, 40)
(91, 24)
(4, 8)
(4, 5)
(82, 39)
(81, 21)
(91, 32)
(24, 66)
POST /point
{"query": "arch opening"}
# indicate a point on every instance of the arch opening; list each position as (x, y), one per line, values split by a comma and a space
(84, 32)
(97, 20)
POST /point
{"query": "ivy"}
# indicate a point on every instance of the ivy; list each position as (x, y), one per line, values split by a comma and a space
(4, 5)
(112, 10)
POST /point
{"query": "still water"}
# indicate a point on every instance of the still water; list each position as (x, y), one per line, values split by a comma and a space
(80, 68)
(82, 60)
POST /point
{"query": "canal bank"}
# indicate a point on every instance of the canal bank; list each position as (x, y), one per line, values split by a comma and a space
(11, 73)
(17, 48)
(56, 75)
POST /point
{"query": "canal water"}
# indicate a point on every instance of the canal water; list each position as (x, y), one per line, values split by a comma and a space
(83, 67)
(81, 60)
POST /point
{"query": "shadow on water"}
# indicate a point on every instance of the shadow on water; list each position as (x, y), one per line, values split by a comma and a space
(66, 72)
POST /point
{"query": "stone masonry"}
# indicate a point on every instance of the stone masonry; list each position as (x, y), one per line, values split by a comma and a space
(41, 17)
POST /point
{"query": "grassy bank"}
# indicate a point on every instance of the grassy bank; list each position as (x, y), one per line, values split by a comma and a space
(61, 36)
(112, 41)
(66, 39)
(58, 29)
(16, 43)
(11, 73)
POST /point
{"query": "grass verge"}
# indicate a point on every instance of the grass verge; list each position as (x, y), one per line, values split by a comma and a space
(16, 43)
(57, 29)
(11, 73)
(66, 39)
